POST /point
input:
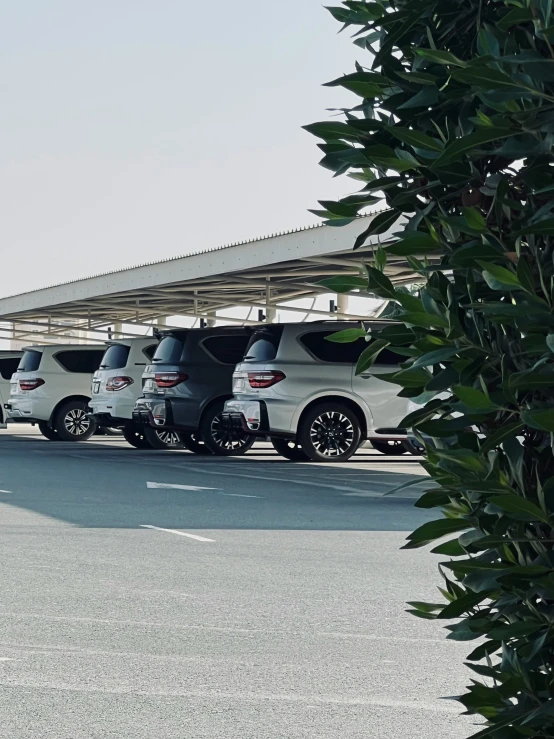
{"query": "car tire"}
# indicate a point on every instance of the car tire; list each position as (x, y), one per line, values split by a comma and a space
(134, 435)
(289, 449)
(390, 447)
(195, 445)
(48, 432)
(223, 441)
(163, 438)
(72, 423)
(329, 432)
(413, 447)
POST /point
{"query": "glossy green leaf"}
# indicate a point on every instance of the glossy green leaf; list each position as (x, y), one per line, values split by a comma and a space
(522, 509)
(433, 530)
(474, 398)
(539, 418)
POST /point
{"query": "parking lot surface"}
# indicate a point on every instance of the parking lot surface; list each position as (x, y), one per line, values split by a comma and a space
(165, 595)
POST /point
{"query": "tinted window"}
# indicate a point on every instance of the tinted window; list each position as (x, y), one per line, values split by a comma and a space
(226, 349)
(149, 350)
(115, 357)
(263, 346)
(169, 350)
(30, 361)
(82, 361)
(8, 367)
(329, 351)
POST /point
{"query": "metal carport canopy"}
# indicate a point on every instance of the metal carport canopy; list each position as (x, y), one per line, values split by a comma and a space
(262, 273)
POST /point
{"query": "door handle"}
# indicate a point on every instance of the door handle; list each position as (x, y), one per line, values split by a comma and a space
(366, 377)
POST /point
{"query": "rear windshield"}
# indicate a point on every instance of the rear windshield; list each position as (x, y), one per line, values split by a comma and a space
(30, 361)
(115, 357)
(169, 350)
(263, 346)
(8, 366)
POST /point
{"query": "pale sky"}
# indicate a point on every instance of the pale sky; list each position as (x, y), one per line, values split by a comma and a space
(138, 130)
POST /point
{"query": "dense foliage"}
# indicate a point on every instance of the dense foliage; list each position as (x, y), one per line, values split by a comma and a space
(454, 126)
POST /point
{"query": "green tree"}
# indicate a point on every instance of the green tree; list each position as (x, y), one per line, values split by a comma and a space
(454, 125)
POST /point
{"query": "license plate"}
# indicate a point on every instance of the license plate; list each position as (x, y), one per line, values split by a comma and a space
(96, 387)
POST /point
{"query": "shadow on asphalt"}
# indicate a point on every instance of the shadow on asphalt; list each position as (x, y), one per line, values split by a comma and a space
(97, 485)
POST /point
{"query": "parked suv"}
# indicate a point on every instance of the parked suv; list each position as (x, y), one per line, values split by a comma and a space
(186, 385)
(117, 384)
(9, 362)
(301, 389)
(52, 388)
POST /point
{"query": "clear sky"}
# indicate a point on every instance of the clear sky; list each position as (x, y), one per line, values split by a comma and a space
(135, 130)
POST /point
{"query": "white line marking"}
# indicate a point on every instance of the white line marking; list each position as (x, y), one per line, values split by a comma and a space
(238, 495)
(174, 531)
(7, 492)
(7, 659)
(171, 486)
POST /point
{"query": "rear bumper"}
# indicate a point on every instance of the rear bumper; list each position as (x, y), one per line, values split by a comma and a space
(114, 407)
(170, 413)
(26, 411)
(256, 417)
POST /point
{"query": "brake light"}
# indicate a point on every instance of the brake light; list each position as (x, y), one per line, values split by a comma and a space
(265, 379)
(118, 383)
(170, 379)
(31, 383)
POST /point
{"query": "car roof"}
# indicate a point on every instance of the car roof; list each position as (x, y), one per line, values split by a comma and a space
(62, 347)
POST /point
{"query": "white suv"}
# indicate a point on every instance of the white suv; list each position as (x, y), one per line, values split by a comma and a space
(117, 384)
(52, 389)
(9, 362)
(302, 390)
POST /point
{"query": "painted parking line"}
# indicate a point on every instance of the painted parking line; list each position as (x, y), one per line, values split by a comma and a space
(172, 486)
(179, 533)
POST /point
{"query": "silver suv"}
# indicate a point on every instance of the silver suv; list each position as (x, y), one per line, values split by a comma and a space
(301, 390)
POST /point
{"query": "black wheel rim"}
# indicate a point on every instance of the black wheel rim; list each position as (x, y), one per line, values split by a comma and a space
(76, 422)
(332, 434)
(227, 437)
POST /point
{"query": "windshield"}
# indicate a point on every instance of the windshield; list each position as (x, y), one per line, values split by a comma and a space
(115, 357)
(30, 361)
(169, 350)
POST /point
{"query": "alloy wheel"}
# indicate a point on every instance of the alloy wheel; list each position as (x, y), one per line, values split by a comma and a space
(332, 434)
(171, 438)
(226, 436)
(76, 422)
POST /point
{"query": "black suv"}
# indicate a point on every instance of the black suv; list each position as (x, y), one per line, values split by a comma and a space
(187, 384)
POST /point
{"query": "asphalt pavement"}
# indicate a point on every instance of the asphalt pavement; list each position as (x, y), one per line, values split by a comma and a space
(162, 595)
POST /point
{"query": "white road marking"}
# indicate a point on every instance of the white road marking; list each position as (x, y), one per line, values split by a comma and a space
(7, 492)
(174, 531)
(238, 495)
(310, 483)
(172, 486)
(7, 659)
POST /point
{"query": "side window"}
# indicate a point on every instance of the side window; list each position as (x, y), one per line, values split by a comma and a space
(329, 351)
(149, 351)
(8, 366)
(82, 361)
(226, 349)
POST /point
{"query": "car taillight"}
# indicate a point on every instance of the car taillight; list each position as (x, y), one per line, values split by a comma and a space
(31, 383)
(118, 383)
(265, 379)
(169, 379)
